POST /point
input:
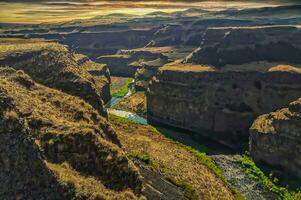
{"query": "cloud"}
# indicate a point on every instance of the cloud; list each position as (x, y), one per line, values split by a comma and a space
(34, 11)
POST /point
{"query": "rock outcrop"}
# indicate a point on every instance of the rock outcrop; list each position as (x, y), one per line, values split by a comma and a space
(146, 71)
(75, 142)
(23, 173)
(100, 73)
(127, 62)
(275, 139)
(243, 45)
(220, 105)
(51, 64)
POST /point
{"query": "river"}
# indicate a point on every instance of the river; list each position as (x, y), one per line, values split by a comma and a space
(228, 160)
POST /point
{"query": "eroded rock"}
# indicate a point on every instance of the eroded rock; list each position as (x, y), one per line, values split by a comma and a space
(23, 173)
(67, 130)
(221, 105)
(51, 64)
(275, 139)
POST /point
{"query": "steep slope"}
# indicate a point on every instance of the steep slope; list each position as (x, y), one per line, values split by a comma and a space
(194, 172)
(218, 104)
(221, 46)
(50, 64)
(126, 62)
(23, 174)
(275, 139)
(78, 143)
(100, 74)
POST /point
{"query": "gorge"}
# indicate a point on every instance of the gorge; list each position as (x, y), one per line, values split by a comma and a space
(198, 103)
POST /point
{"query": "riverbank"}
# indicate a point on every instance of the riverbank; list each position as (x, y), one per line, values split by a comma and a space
(229, 163)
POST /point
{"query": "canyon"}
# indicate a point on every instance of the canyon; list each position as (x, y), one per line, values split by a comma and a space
(220, 105)
(98, 108)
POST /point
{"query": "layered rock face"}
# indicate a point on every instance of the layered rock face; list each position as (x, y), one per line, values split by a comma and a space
(100, 74)
(146, 71)
(275, 139)
(72, 138)
(243, 45)
(126, 62)
(51, 64)
(221, 105)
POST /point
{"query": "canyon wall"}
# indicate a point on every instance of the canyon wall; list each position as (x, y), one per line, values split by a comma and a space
(222, 46)
(51, 64)
(49, 139)
(275, 139)
(220, 105)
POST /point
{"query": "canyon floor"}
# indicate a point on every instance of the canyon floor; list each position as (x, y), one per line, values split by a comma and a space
(192, 104)
(156, 146)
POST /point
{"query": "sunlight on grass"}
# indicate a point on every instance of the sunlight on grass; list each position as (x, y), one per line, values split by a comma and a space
(124, 90)
(254, 172)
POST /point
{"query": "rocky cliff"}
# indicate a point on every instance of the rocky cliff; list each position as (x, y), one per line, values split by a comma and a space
(220, 105)
(51, 64)
(275, 139)
(73, 148)
(127, 62)
(221, 46)
(23, 173)
(100, 74)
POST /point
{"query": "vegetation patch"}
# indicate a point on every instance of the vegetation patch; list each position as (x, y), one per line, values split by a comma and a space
(188, 189)
(145, 158)
(124, 90)
(176, 161)
(207, 161)
(135, 103)
(122, 121)
(270, 182)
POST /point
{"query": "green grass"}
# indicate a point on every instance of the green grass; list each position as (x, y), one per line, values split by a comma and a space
(124, 90)
(145, 158)
(182, 138)
(208, 162)
(189, 191)
(270, 182)
(200, 152)
(202, 157)
(122, 120)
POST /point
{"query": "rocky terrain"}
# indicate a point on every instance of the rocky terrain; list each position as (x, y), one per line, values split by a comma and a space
(218, 35)
(177, 164)
(250, 44)
(228, 77)
(51, 64)
(275, 139)
(220, 105)
(67, 140)
(23, 173)
(126, 62)
(136, 103)
(58, 146)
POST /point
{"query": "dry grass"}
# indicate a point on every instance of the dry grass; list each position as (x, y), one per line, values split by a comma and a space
(135, 103)
(171, 159)
(14, 45)
(51, 64)
(166, 49)
(10, 115)
(179, 66)
(262, 66)
(68, 129)
(117, 83)
(285, 68)
(86, 187)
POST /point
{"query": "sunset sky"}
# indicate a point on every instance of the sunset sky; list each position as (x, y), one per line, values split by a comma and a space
(37, 11)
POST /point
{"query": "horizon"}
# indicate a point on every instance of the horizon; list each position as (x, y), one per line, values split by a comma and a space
(57, 11)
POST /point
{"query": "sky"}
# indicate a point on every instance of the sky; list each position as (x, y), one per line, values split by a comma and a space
(40, 11)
